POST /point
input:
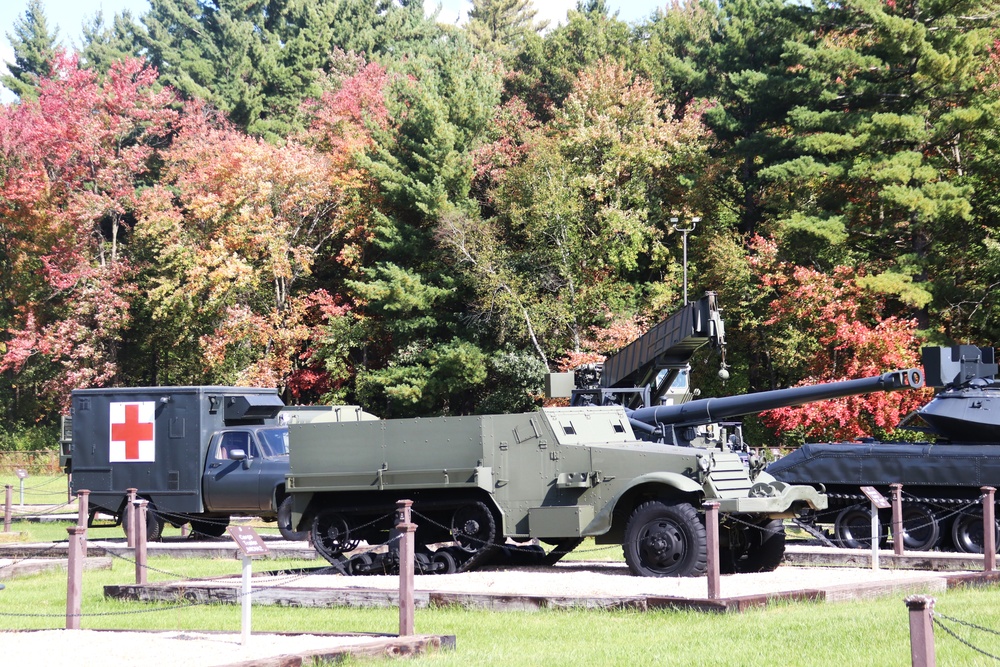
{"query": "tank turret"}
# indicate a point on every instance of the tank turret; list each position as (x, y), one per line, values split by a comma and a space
(968, 410)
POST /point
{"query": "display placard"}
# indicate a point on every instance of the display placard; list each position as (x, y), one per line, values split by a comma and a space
(873, 495)
(248, 541)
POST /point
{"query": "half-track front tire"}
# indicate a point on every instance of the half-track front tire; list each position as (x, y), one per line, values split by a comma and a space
(754, 548)
(664, 539)
(285, 522)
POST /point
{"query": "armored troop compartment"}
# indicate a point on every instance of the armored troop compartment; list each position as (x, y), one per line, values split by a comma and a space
(157, 440)
(557, 475)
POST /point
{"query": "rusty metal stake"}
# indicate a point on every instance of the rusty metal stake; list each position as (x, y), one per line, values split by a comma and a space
(406, 531)
(8, 492)
(712, 533)
(140, 541)
(897, 518)
(74, 578)
(921, 630)
(130, 518)
(989, 530)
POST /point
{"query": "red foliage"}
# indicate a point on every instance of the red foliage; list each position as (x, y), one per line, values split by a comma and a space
(602, 341)
(74, 162)
(342, 117)
(843, 335)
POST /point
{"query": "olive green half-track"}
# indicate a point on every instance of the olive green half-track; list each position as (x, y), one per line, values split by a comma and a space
(556, 476)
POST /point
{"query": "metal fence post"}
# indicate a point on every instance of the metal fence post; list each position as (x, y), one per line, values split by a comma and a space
(989, 530)
(711, 508)
(406, 531)
(8, 491)
(921, 630)
(897, 518)
(130, 518)
(83, 512)
(74, 577)
(140, 541)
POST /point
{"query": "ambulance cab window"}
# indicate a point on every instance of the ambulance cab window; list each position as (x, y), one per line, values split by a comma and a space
(231, 440)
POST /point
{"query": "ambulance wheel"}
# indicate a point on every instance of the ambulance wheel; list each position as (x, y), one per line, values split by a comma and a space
(154, 524)
(215, 527)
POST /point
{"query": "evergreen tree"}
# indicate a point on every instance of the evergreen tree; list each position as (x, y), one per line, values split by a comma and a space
(34, 49)
(882, 174)
(545, 69)
(258, 61)
(104, 45)
(502, 27)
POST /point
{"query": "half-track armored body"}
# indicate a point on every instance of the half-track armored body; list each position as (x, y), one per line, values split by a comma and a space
(941, 476)
(558, 475)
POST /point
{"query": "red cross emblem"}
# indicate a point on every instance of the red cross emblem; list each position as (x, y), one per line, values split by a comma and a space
(132, 432)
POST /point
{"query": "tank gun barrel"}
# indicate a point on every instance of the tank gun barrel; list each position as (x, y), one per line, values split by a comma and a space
(709, 410)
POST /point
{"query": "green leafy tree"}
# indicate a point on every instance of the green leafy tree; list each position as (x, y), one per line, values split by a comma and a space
(34, 47)
(582, 214)
(259, 61)
(104, 45)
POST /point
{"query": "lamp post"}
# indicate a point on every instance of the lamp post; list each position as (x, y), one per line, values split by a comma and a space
(684, 232)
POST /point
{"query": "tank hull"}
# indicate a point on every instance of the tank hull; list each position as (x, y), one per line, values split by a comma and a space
(941, 488)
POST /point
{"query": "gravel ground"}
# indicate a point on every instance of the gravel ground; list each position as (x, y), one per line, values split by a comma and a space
(611, 579)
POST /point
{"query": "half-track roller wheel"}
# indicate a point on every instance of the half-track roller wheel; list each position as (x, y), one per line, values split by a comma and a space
(664, 539)
(754, 547)
(473, 527)
(331, 535)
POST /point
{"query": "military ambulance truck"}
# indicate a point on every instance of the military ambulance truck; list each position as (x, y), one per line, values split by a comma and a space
(199, 455)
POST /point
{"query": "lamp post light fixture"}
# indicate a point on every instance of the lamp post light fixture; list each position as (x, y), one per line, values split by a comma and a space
(684, 238)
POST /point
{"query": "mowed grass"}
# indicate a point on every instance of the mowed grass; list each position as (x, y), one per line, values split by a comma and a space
(802, 633)
(855, 633)
(38, 489)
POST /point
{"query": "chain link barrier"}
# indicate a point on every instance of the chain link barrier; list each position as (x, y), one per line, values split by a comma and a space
(936, 617)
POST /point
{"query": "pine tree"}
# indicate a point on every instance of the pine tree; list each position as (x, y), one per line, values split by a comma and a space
(501, 27)
(34, 49)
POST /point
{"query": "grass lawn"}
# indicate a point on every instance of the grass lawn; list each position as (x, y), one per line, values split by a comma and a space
(842, 634)
(38, 489)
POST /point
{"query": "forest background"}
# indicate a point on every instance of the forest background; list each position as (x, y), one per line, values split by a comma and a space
(354, 202)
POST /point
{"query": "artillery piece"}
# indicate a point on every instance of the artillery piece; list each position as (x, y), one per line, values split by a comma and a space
(557, 475)
(941, 476)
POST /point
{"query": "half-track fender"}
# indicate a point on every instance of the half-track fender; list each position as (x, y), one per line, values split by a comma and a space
(673, 483)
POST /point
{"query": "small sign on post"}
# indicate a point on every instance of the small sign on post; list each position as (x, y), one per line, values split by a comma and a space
(878, 502)
(21, 475)
(250, 545)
